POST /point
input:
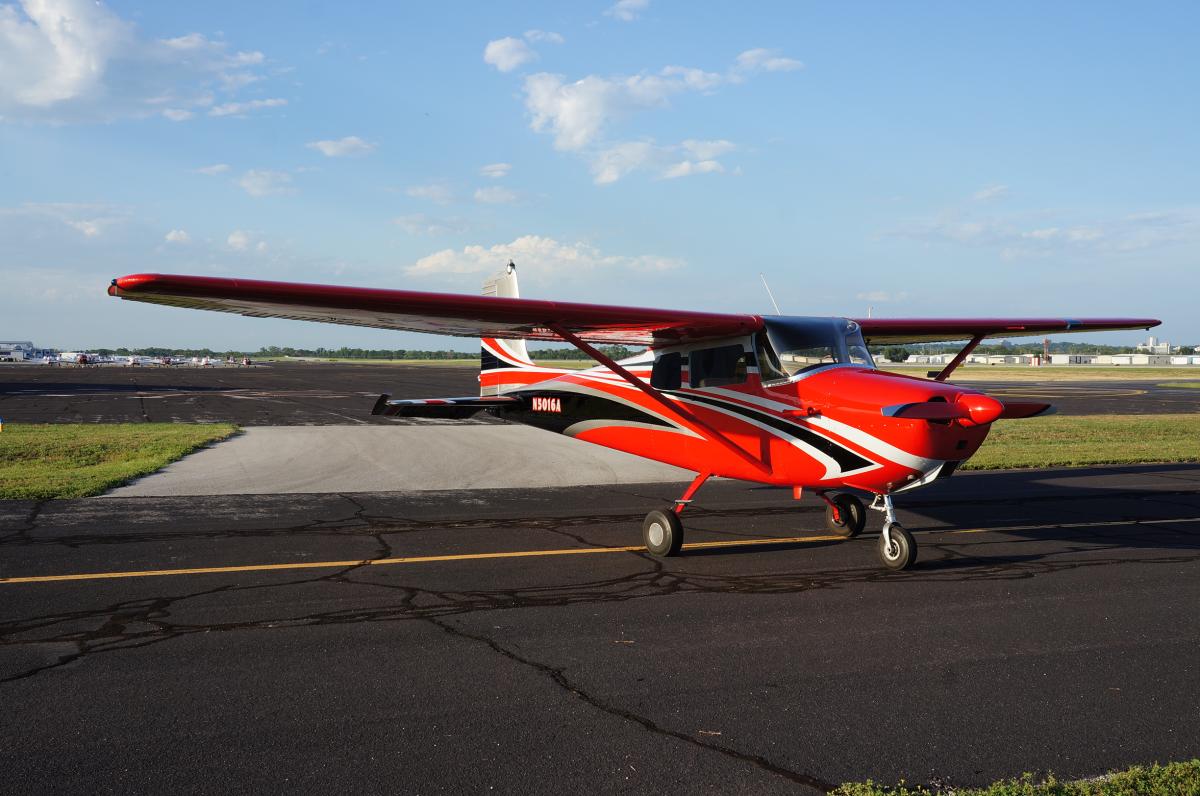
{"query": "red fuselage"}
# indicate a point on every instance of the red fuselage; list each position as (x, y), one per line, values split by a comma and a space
(826, 429)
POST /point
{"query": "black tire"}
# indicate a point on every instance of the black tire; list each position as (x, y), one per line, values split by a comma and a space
(662, 533)
(853, 516)
(902, 553)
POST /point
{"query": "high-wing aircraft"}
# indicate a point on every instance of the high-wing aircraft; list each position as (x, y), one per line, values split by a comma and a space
(787, 401)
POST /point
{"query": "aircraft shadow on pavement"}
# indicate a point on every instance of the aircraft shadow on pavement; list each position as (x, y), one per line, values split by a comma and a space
(1093, 507)
(1101, 507)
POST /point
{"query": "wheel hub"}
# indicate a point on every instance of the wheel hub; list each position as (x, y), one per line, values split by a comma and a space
(657, 533)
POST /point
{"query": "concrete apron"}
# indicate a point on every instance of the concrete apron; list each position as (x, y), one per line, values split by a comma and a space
(319, 459)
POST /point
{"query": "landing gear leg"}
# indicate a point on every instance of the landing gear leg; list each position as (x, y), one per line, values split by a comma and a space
(662, 530)
(897, 549)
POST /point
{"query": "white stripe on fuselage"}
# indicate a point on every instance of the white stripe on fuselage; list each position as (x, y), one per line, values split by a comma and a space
(855, 435)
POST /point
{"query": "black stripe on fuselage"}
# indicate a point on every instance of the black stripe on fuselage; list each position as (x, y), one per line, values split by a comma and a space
(846, 459)
(576, 408)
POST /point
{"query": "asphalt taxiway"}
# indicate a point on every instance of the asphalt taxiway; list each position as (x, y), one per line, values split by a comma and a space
(328, 393)
(518, 640)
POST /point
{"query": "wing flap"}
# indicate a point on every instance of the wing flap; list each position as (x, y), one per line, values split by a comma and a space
(436, 313)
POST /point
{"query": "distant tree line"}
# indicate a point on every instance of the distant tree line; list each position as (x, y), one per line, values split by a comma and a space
(901, 353)
(278, 352)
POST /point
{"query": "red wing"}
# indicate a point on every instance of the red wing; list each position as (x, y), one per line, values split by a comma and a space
(438, 313)
(892, 331)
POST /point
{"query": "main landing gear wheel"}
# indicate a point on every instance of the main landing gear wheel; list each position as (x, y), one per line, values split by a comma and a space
(897, 550)
(663, 533)
(851, 516)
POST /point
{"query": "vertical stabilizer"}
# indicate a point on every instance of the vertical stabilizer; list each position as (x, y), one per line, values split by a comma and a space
(499, 354)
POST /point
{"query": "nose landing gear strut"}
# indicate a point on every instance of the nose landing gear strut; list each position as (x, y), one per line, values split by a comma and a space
(897, 549)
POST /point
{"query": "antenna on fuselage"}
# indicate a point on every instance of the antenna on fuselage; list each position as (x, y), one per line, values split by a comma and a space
(769, 293)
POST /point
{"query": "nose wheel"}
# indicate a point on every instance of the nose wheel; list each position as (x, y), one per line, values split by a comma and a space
(897, 548)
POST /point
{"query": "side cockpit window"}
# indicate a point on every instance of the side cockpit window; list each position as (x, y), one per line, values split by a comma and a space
(717, 367)
(666, 372)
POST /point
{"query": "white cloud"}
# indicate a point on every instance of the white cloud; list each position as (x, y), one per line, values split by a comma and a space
(1015, 236)
(434, 192)
(687, 168)
(707, 150)
(495, 170)
(613, 163)
(548, 36)
(579, 114)
(242, 241)
(89, 220)
(178, 236)
(242, 108)
(77, 61)
(536, 254)
(495, 195)
(178, 114)
(216, 168)
(508, 53)
(627, 10)
(763, 60)
(990, 192)
(264, 182)
(881, 296)
(89, 228)
(349, 146)
(421, 224)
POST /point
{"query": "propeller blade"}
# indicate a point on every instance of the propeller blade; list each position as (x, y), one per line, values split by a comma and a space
(928, 410)
(971, 409)
(1019, 410)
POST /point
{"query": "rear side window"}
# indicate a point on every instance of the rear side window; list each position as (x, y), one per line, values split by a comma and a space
(665, 375)
(715, 367)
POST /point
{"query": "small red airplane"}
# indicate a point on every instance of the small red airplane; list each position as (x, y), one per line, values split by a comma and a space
(784, 400)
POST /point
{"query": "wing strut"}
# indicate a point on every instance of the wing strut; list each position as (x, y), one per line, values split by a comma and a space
(689, 419)
(958, 360)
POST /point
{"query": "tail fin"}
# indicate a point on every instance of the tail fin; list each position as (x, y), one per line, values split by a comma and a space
(501, 354)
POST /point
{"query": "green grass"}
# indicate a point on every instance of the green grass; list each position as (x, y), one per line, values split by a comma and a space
(1173, 779)
(1182, 385)
(1073, 441)
(79, 460)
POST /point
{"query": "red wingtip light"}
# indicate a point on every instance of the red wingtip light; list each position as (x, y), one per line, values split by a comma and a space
(982, 409)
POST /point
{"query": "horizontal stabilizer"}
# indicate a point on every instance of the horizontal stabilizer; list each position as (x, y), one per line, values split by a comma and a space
(443, 408)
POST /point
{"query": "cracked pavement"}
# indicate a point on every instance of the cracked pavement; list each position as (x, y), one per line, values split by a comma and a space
(1050, 623)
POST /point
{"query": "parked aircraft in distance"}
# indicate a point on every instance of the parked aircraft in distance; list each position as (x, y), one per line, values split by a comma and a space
(787, 401)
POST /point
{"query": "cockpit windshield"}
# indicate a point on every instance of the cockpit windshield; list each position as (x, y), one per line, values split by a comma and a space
(788, 347)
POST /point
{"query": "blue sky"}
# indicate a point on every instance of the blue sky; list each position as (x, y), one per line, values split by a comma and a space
(923, 159)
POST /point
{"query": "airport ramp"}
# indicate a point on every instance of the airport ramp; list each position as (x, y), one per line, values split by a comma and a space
(324, 459)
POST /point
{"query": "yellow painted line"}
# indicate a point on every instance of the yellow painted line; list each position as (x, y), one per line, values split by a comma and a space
(377, 562)
(1053, 526)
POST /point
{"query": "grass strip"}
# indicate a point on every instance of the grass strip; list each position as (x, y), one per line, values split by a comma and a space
(1182, 385)
(1052, 373)
(79, 460)
(1173, 779)
(1077, 441)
